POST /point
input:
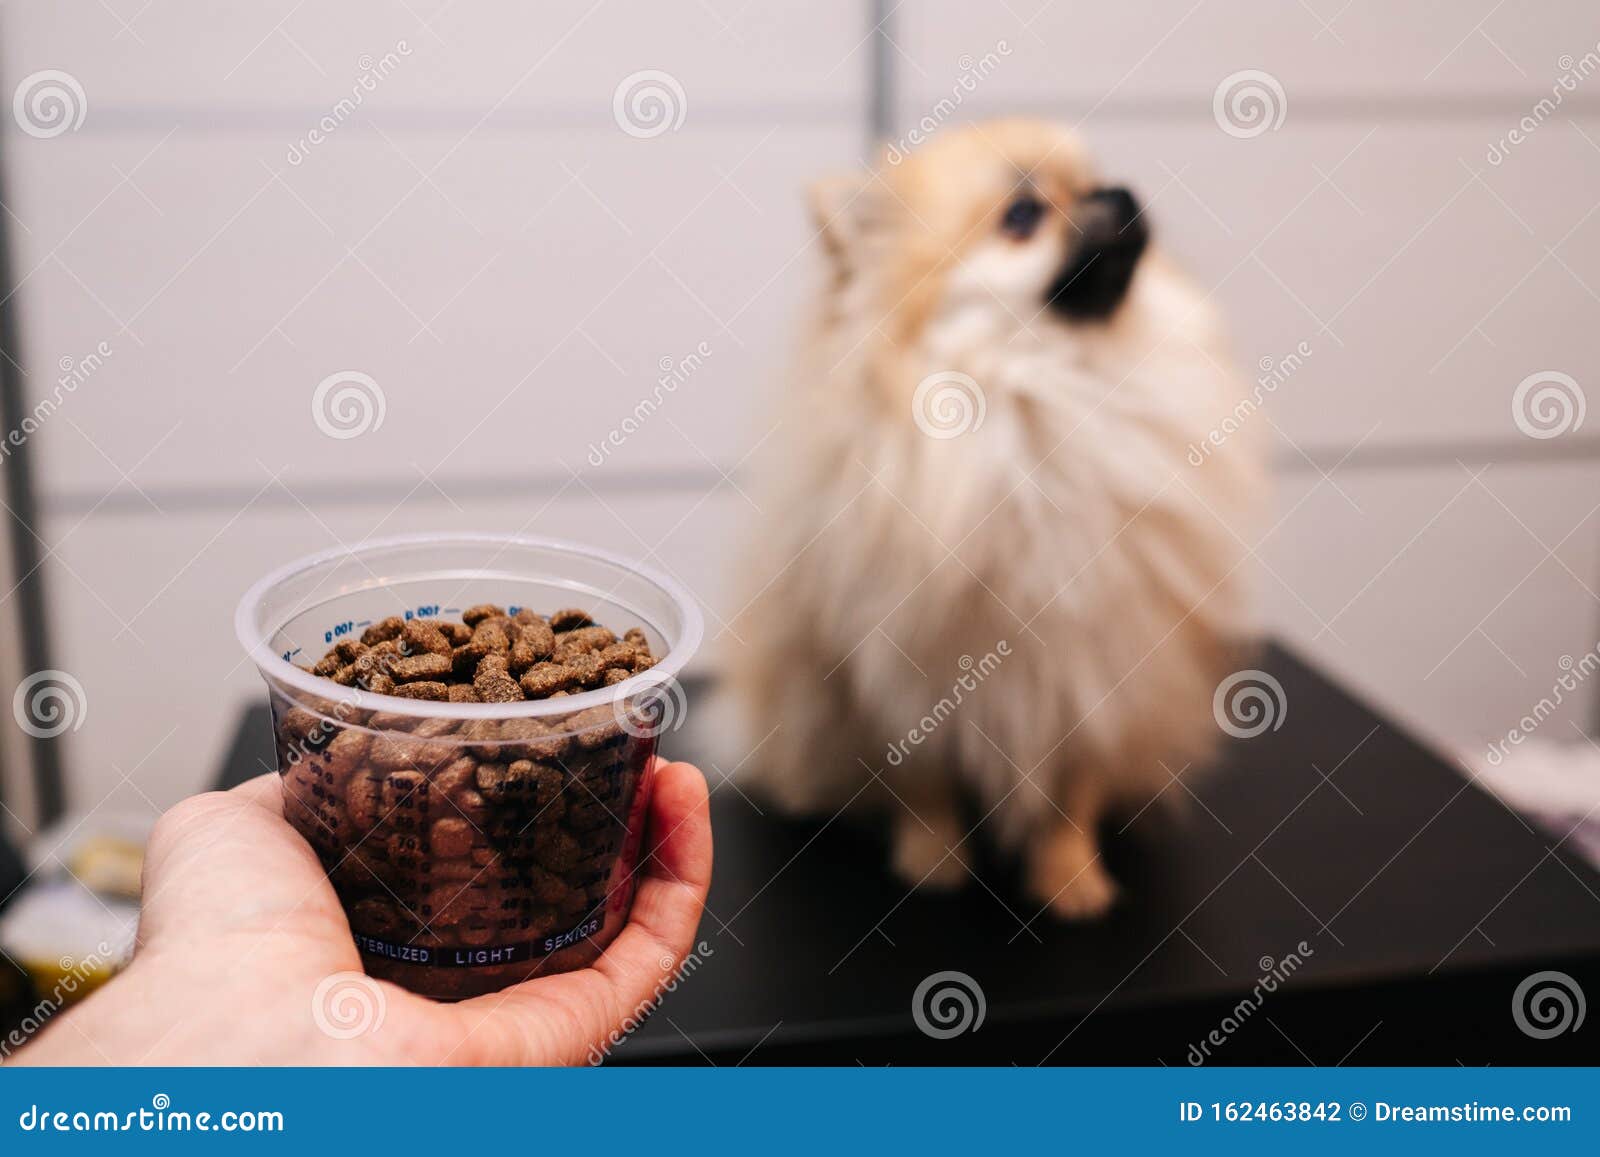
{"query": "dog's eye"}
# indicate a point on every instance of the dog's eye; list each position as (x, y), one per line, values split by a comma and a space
(1022, 217)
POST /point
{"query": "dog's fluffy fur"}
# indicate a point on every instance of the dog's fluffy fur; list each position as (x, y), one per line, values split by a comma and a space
(1069, 526)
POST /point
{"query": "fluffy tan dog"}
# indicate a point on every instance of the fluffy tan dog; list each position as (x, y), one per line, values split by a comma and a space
(989, 563)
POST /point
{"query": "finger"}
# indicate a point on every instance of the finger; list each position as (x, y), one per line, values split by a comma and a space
(562, 1019)
(674, 880)
(680, 831)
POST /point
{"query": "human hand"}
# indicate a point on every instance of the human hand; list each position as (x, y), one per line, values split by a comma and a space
(240, 925)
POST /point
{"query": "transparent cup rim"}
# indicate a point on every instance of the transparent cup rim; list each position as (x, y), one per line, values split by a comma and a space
(253, 636)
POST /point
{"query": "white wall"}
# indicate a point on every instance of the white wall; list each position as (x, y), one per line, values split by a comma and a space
(510, 266)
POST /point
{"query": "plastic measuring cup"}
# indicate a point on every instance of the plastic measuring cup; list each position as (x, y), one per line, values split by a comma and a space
(472, 844)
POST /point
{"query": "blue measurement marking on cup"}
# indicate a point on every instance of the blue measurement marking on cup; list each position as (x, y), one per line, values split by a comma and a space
(288, 656)
(350, 626)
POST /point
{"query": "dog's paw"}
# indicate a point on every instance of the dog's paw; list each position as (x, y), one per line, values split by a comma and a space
(1066, 875)
(1087, 896)
(929, 859)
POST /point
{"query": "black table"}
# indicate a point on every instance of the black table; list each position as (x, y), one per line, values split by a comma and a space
(1421, 900)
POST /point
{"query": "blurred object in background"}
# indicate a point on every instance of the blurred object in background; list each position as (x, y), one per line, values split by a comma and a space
(1556, 783)
(103, 850)
(69, 924)
(79, 898)
(58, 928)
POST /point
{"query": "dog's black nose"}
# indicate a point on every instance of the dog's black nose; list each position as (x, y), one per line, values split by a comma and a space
(1112, 235)
(1121, 205)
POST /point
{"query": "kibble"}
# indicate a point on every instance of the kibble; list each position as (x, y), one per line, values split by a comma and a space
(488, 657)
(581, 640)
(545, 679)
(459, 774)
(493, 682)
(443, 833)
(383, 630)
(586, 668)
(375, 917)
(491, 637)
(428, 665)
(535, 643)
(451, 838)
(425, 690)
(421, 636)
(363, 801)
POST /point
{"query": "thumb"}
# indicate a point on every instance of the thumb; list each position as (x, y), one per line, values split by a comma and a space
(226, 862)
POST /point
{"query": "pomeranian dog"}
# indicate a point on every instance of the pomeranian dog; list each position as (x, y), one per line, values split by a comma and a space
(1001, 551)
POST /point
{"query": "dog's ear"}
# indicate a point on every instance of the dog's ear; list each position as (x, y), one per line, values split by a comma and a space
(842, 210)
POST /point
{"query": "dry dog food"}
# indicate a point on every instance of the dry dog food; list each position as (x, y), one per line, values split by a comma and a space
(471, 853)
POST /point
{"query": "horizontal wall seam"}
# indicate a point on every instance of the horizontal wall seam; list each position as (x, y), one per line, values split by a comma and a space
(126, 500)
